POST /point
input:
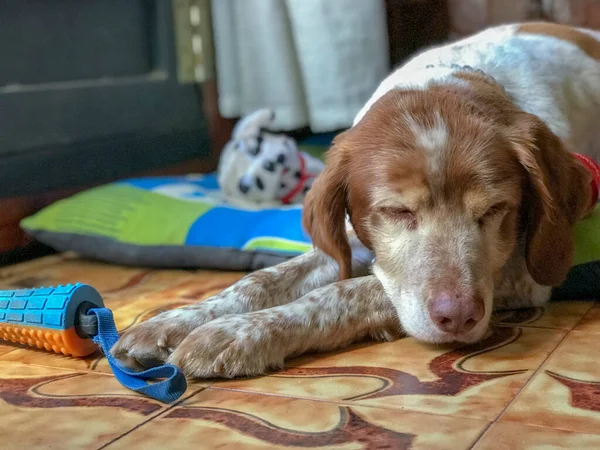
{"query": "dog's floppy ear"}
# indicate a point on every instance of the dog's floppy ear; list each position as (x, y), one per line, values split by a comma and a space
(557, 196)
(325, 209)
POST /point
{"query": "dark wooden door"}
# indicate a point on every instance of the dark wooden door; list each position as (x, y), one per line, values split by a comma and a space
(89, 92)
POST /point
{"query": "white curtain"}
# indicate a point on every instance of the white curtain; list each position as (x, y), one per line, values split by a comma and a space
(314, 62)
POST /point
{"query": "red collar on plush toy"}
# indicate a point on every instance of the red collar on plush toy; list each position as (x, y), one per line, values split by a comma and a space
(304, 177)
(594, 168)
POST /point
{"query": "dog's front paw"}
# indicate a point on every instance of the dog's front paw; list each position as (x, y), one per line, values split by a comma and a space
(150, 343)
(231, 346)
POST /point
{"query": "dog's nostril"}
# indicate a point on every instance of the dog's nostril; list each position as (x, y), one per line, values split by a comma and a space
(447, 324)
(469, 324)
(243, 187)
(269, 166)
(259, 183)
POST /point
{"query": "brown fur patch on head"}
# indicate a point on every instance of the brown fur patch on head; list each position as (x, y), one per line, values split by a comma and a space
(473, 155)
(585, 42)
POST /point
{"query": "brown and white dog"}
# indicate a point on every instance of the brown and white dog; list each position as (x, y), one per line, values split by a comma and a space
(461, 192)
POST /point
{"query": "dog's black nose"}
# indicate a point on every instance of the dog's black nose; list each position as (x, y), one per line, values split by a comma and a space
(243, 187)
(269, 166)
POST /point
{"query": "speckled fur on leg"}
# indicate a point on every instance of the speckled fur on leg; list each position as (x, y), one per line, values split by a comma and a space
(151, 342)
(327, 318)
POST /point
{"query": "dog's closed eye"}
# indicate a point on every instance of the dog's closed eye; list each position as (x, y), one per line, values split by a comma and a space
(400, 214)
(496, 211)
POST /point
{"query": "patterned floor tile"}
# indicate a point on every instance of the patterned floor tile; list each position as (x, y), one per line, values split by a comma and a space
(368, 396)
(28, 355)
(591, 321)
(226, 419)
(566, 392)
(514, 436)
(118, 285)
(561, 315)
(476, 381)
(42, 407)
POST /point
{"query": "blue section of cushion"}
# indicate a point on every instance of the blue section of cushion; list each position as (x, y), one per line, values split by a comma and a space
(233, 228)
(208, 182)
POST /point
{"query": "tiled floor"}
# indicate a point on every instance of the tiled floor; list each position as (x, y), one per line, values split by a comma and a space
(535, 383)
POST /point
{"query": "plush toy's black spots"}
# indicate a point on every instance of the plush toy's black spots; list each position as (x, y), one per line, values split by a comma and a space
(269, 166)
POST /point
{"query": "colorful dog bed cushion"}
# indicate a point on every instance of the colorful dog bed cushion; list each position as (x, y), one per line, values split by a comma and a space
(170, 222)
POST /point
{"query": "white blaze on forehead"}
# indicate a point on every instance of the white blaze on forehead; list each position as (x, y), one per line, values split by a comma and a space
(431, 137)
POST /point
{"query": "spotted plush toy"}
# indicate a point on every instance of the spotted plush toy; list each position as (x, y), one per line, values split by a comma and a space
(258, 166)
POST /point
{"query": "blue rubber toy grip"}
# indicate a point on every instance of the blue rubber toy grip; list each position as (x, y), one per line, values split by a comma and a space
(47, 317)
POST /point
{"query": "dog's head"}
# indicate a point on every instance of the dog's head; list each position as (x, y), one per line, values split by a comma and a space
(444, 185)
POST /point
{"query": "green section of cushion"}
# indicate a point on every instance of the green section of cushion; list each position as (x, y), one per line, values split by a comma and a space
(120, 212)
(587, 238)
(280, 244)
(318, 151)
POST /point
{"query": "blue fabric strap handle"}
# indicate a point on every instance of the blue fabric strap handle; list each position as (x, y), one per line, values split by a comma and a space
(170, 388)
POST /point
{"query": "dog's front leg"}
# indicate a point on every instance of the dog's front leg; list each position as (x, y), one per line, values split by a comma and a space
(151, 342)
(325, 319)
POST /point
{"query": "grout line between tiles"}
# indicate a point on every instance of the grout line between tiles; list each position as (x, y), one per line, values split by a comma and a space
(481, 435)
(4, 354)
(530, 380)
(535, 373)
(583, 317)
(156, 416)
